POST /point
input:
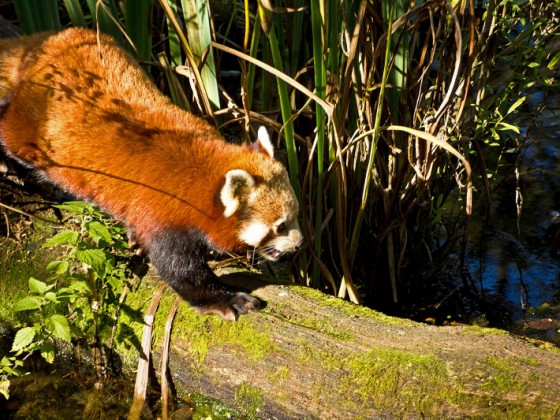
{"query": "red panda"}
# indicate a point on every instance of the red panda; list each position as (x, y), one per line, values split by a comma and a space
(85, 117)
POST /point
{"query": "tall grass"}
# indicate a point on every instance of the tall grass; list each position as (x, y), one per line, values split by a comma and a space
(379, 107)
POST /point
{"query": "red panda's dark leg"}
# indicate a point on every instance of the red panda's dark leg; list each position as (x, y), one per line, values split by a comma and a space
(180, 258)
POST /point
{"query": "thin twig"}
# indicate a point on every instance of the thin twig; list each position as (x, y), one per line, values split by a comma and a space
(29, 214)
(165, 358)
(144, 360)
(325, 105)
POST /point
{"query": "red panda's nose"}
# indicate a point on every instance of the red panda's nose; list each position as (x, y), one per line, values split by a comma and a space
(299, 245)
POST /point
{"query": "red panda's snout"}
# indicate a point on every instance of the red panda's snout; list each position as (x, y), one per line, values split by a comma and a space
(273, 241)
(289, 239)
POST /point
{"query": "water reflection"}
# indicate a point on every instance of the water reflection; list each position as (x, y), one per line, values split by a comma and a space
(517, 260)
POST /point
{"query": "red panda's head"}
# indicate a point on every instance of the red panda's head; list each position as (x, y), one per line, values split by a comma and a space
(267, 208)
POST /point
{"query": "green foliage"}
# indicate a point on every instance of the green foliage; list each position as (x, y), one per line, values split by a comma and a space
(138, 26)
(37, 15)
(9, 366)
(523, 62)
(79, 301)
(199, 34)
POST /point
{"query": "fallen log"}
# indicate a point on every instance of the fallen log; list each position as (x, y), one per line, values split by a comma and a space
(309, 355)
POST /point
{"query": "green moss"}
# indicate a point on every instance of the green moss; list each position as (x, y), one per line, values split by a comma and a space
(528, 361)
(197, 332)
(408, 384)
(280, 375)
(205, 407)
(329, 360)
(321, 325)
(398, 382)
(505, 376)
(349, 308)
(249, 400)
(477, 331)
(305, 348)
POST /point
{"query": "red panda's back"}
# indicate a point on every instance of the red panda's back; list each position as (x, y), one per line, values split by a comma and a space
(86, 115)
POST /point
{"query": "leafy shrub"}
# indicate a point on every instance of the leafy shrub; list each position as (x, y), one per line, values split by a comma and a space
(81, 299)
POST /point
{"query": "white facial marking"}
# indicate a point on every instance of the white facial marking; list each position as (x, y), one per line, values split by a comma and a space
(254, 233)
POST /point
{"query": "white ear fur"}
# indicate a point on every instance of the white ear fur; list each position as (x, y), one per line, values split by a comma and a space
(264, 141)
(239, 183)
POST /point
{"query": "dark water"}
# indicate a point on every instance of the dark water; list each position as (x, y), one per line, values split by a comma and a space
(515, 258)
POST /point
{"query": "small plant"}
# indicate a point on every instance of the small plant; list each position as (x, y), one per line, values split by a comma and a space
(81, 299)
(40, 335)
(9, 366)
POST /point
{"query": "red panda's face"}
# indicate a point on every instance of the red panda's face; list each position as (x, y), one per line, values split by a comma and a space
(267, 211)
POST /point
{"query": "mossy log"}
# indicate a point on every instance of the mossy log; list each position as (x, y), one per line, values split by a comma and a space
(309, 355)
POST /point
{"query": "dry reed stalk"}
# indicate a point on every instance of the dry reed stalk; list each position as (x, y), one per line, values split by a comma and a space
(144, 360)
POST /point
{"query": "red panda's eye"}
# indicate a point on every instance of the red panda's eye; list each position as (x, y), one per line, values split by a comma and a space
(281, 227)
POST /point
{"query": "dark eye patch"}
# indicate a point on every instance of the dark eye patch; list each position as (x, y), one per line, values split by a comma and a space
(281, 227)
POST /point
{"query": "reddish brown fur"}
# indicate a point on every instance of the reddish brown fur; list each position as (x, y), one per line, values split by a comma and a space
(88, 117)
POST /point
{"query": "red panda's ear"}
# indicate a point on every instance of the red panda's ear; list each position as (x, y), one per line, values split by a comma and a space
(263, 140)
(239, 184)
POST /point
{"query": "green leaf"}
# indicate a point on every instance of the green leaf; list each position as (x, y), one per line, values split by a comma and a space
(47, 352)
(81, 287)
(36, 16)
(23, 338)
(79, 207)
(10, 371)
(199, 32)
(28, 303)
(51, 296)
(64, 237)
(95, 258)
(138, 24)
(65, 293)
(58, 267)
(552, 63)
(99, 230)
(5, 389)
(37, 286)
(506, 126)
(59, 327)
(114, 282)
(516, 105)
(75, 12)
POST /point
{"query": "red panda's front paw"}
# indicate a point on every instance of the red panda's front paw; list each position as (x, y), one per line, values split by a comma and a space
(243, 303)
(238, 303)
